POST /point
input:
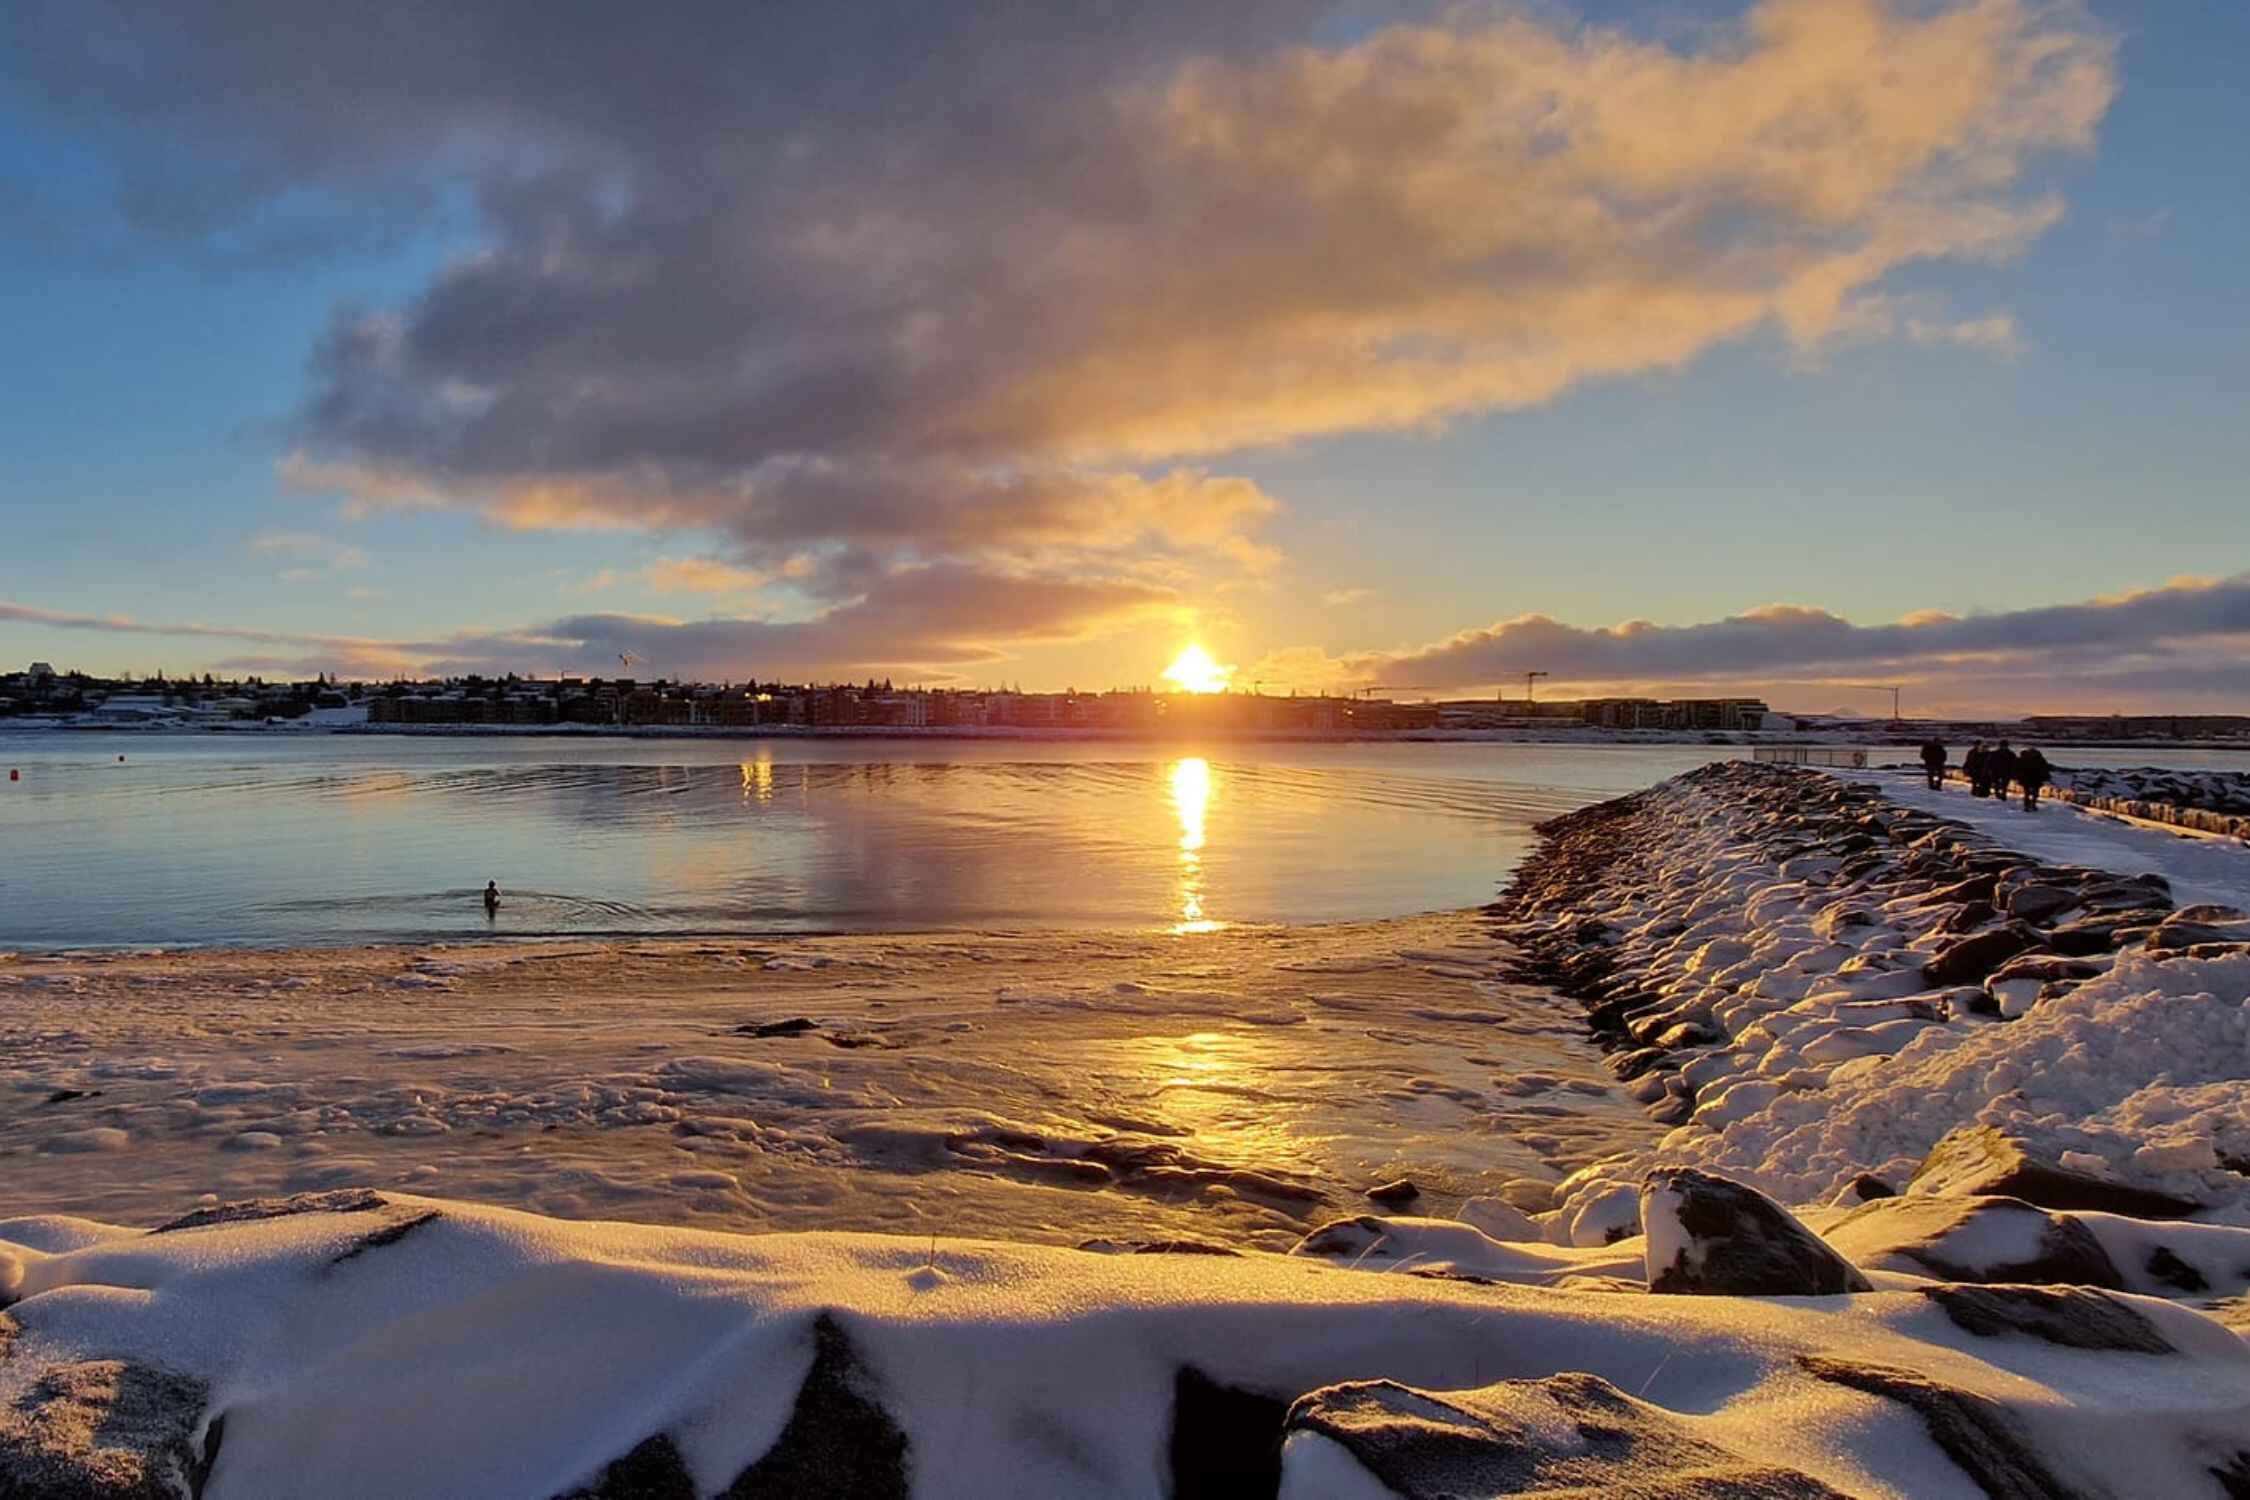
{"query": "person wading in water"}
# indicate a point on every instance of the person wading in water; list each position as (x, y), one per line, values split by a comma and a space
(491, 897)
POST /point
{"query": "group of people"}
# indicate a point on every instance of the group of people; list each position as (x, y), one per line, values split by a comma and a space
(1992, 770)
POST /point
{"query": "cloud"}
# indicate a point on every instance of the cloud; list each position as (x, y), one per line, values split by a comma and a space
(703, 575)
(1995, 335)
(1343, 597)
(330, 554)
(804, 279)
(1475, 213)
(2189, 633)
(2186, 642)
(942, 620)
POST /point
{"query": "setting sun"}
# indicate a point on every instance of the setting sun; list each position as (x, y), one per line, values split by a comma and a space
(1193, 671)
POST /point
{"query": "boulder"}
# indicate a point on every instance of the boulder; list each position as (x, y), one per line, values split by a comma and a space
(1226, 1441)
(1394, 1194)
(1969, 959)
(2070, 1316)
(1984, 1440)
(1865, 1188)
(344, 1201)
(2193, 926)
(794, 1026)
(1708, 1236)
(102, 1430)
(1571, 1434)
(1984, 1161)
(651, 1470)
(1689, 1034)
(1973, 1239)
(2032, 903)
(1968, 917)
(839, 1440)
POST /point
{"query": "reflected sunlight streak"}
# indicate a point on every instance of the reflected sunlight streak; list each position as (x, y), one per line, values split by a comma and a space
(1191, 797)
(757, 777)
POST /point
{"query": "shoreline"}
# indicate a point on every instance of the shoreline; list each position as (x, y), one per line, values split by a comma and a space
(1796, 1136)
(1867, 737)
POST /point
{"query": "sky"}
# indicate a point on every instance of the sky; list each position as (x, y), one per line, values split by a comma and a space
(1786, 348)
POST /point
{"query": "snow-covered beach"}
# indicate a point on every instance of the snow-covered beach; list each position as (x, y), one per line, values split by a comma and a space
(1056, 1087)
(1988, 1070)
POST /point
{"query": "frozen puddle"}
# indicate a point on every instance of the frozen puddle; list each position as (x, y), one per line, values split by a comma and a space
(1238, 1086)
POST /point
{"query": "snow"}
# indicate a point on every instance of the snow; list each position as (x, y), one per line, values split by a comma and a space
(1840, 1058)
(2200, 868)
(1240, 1087)
(1242, 1091)
(486, 1351)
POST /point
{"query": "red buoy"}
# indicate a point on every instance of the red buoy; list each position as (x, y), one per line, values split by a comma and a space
(14, 774)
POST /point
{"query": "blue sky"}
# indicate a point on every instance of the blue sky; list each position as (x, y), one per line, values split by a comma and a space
(1980, 434)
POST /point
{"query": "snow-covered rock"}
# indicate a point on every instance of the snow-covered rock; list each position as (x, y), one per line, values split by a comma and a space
(321, 1351)
(1984, 1161)
(1713, 1237)
(1570, 1434)
(1973, 1239)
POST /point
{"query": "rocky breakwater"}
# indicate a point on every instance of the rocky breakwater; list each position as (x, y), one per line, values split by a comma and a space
(1836, 999)
(2205, 801)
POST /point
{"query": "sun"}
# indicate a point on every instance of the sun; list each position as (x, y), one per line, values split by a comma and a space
(1193, 671)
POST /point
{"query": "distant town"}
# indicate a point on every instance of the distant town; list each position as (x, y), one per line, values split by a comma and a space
(41, 695)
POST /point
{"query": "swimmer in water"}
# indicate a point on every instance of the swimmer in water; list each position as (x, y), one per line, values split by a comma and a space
(491, 897)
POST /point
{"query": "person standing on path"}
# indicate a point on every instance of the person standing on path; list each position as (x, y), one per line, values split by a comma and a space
(1972, 766)
(1933, 763)
(2000, 769)
(2033, 772)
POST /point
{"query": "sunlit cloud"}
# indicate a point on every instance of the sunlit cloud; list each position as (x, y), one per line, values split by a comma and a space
(806, 289)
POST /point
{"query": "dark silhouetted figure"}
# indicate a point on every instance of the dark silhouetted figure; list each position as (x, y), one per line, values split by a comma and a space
(1933, 763)
(2033, 772)
(491, 897)
(2000, 769)
(1972, 766)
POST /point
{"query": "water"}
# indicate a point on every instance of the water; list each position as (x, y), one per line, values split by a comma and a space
(265, 840)
(270, 840)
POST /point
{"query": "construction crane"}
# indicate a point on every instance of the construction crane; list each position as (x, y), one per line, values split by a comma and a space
(1893, 688)
(1531, 680)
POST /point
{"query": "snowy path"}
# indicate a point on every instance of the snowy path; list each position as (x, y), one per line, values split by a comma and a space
(2200, 868)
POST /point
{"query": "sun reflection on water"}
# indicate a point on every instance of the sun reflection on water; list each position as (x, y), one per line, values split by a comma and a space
(757, 778)
(1191, 798)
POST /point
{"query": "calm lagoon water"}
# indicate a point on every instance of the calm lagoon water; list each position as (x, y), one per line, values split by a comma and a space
(272, 840)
